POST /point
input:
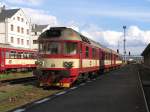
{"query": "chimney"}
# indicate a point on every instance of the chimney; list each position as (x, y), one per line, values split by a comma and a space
(2, 8)
(117, 50)
(34, 26)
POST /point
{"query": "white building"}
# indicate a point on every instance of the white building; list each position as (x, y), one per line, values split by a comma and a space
(35, 32)
(15, 28)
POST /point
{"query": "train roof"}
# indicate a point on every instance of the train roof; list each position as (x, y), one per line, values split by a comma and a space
(64, 33)
(2, 45)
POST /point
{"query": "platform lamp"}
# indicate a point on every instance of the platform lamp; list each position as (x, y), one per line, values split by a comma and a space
(124, 43)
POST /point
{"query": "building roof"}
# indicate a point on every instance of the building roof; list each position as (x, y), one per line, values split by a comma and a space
(146, 50)
(38, 28)
(7, 13)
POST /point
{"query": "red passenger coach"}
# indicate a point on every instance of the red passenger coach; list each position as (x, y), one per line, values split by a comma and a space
(66, 56)
(13, 59)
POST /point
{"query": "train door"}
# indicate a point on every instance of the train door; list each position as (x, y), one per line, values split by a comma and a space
(110, 58)
(114, 59)
(80, 51)
(2, 59)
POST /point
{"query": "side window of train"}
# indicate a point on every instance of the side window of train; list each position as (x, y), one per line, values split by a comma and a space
(19, 55)
(87, 52)
(12, 54)
(94, 53)
(7, 54)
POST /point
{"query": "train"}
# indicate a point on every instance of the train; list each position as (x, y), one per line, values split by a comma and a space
(16, 59)
(66, 56)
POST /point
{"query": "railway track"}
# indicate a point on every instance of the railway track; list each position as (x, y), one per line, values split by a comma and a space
(17, 81)
(144, 76)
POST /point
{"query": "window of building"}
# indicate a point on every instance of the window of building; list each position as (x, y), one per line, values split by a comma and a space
(22, 30)
(35, 41)
(18, 40)
(22, 41)
(27, 31)
(12, 27)
(18, 29)
(22, 20)
(18, 18)
(35, 33)
(14, 18)
(12, 39)
(87, 52)
(27, 42)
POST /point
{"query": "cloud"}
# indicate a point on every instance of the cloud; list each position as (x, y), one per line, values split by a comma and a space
(41, 17)
(72, 24)
(136, 39)
(25, 2)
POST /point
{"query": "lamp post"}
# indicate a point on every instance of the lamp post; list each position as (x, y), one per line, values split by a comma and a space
(124, 43)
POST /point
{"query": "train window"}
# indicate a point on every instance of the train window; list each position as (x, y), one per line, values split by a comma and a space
(24, 55)
(12, 54)
(54, 48)
(70, 48)
(93, 53)
(42, 47)
(19, 55)
(7, 54)
(87, 52)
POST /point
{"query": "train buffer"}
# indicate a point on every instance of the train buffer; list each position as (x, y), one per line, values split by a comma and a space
(116, 91)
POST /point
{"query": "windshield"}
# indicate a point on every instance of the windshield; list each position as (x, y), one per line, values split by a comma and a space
(50, 47)
(69, 48)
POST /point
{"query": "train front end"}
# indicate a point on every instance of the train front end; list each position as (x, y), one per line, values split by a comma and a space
(58, 59)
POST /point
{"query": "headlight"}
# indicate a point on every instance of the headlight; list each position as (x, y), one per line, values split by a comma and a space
(68, 64)
(39, 63)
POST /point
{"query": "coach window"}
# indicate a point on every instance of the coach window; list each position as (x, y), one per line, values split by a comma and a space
(24, 55)
(106, 56)
(12, 54)
(7, 54)
(93, 53)
(70, 48)
(54, 48)
(87, 52)
(19, 55)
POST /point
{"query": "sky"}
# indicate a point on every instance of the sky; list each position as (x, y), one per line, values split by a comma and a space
(100, 20)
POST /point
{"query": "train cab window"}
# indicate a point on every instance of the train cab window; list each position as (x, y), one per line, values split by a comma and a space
(54, 48)
(70, 48)
(42, 47)
(87, 52)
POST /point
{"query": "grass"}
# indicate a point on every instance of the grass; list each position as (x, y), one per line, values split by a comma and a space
(13, 96)
(15, 75)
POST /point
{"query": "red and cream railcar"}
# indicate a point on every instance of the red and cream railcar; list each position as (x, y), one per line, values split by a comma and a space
(112, 59)
(66, 56)
(16, 58)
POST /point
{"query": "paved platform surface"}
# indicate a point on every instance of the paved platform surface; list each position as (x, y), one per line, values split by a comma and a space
(117, 91)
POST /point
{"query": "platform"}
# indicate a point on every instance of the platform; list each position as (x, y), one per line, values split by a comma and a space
(116, 91)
